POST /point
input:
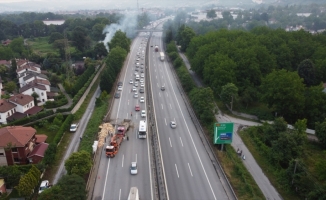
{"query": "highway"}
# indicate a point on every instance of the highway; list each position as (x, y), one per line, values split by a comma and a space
(114, 179)
(189, 173)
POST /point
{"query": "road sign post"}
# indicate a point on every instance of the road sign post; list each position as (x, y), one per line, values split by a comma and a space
(223, 133)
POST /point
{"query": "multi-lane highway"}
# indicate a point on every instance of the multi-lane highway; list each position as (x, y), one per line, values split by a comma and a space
(189, 172)
(114, 179)
(187, 168)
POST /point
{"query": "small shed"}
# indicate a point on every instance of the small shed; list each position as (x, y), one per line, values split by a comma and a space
(38, 153)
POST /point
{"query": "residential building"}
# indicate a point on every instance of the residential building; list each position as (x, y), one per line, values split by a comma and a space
(29, 76)
(7, 109)
(16, 145)
(38, 153)
(39, 89)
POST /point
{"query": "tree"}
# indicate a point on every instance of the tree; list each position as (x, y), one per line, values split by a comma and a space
(306, 70)
(320, 131)
(60, 45)
(211, 14)
(79, 36)
(10, 86)
(97, 32)
(35, 96)
(229, 94)
(185, 34)
(100, 50)
(120, 40)
(283, 92)
(55, 36)
(28, 182)
(70, 187)
(3, 70)
(78, 163)
(17, 45)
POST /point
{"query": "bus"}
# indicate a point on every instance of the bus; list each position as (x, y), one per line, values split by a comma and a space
(142, 129)
(162, 56)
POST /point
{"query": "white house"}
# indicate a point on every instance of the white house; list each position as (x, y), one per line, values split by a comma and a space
(39, 89)
(30, 76)
(7, 109)
(23, 102)
(29, 67)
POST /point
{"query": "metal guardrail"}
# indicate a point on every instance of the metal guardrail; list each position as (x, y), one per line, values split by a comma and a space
(217, 166)
(160, 187)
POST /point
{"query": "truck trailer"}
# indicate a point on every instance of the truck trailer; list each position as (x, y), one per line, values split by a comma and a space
(156, 48)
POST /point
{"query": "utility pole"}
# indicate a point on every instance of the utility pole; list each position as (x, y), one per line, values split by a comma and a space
(295, 169)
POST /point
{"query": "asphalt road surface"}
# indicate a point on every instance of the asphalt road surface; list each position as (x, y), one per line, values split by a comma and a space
(114, 179)
(189, 173)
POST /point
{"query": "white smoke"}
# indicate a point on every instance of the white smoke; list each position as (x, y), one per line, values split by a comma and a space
(127, 24)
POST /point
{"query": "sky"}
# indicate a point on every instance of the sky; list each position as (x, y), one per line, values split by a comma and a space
(54, 5)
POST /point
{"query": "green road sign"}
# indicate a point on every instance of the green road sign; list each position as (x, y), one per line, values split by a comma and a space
(223, 133)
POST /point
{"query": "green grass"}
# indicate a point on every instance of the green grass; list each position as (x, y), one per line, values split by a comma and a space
(46, 132)
(41, 46)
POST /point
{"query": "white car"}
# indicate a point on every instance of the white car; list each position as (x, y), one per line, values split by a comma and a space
(73, 127)
(173, 124)
(141, 80)
(134, 89)
(143, 113)
(142, 100)
(142, 85)
(136, 95)
(142, 75)
(131, 81)
(120, 88)
(44, 185)
(133, 168)
(136, 84)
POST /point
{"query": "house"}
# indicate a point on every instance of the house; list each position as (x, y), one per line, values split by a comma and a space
(23, 102)
(31, 67)
(7, 109)
(16, 144)
(30, 76)
(5, 63)
(40, 138)
(38, 153)
(39, 89)
(6, 42)
(2, 186)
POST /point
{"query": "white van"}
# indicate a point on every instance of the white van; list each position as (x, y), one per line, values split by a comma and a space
(133, 194)
(137, 77)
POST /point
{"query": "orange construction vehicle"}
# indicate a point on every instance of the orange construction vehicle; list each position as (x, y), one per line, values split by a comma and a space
(112, 149)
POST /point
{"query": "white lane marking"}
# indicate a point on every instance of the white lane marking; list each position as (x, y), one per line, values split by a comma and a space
(157, 84)
(136, 157)
(174, 119)
(170, 142)
(176, 168)
(170, 106)
(165, 121)
(162, 106)
(123, 157)
(127, 115)
(192, 140)
(167, 94)
(190, 169)
(156, 77)
(159, 94)
(181, 141)
(162, 77)
(128, 100)
(120, 194)
(107, 171)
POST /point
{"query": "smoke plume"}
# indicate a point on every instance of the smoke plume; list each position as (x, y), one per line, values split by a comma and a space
(127, 24)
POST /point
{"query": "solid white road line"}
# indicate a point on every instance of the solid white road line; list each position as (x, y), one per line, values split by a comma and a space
(190, 169)
(123, 157)
(181, 142)
(176, 168)
(107, 171)
(120, 194)
(170, 142)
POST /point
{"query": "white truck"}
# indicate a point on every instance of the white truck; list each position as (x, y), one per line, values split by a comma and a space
(133, 194)
(162, 56)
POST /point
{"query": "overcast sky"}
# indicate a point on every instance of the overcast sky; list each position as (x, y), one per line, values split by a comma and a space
(54, 5)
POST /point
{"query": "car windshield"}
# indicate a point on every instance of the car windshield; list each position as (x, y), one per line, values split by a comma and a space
(133, 167)
(73, 126)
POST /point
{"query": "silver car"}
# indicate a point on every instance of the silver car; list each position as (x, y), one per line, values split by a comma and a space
(173, 124)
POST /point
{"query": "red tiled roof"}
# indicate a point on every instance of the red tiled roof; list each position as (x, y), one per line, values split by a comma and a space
(33, 110)
(20, 62)
(23, 68)
(4, 62)
(5, 106)
(21, 99)
(41, 138)
(39, 150)
(16, 135)
(31, 85)
(41, 81)
(50, 94)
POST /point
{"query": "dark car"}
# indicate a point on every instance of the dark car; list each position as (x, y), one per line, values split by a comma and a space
(120, 83)
(141, 90)
(117, 95)
(162, 88)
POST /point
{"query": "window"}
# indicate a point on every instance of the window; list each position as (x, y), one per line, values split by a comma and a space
(13, 149)
(42, 94)
(2, 154)
(16, 159)
(33, 89)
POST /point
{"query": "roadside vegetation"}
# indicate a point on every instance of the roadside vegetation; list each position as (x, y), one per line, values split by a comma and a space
(248, 71)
